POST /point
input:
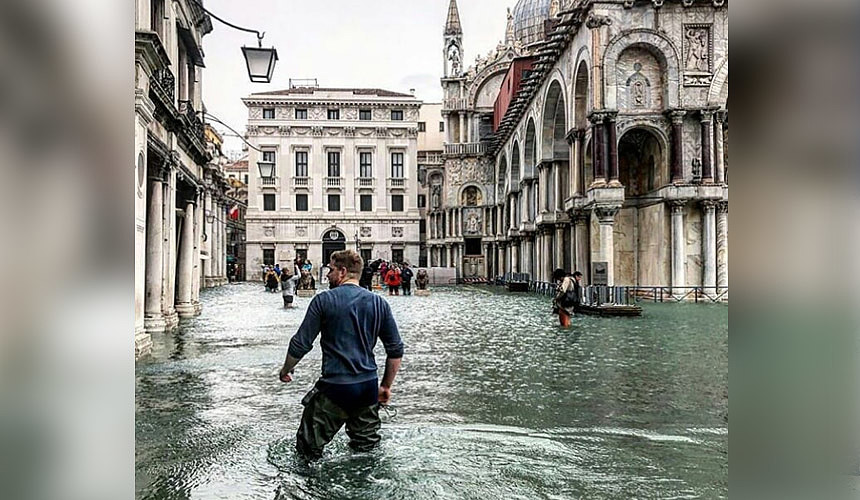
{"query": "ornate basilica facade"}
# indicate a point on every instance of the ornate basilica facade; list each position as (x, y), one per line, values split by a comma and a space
(592, 138)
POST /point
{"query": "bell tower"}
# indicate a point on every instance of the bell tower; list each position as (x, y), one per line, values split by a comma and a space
(453, 49)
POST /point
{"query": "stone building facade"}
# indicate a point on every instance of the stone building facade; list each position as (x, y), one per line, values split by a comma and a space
(610, 158)
(177, 169)
(345, 175)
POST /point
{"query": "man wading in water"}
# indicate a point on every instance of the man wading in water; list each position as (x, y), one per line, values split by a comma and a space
(350, 320)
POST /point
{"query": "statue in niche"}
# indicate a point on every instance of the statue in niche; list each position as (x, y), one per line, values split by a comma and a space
(470, 197)
(454, 57)
(436, 196)
(473, 223)
(638, 88)
(509, 30)
(697, 50)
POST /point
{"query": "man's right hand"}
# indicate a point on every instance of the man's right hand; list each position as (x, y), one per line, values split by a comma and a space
(384, 395)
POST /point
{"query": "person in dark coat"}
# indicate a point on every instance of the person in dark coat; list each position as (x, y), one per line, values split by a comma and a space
(406, 279)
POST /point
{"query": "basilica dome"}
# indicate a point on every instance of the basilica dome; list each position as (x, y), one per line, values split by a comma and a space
(529, 17)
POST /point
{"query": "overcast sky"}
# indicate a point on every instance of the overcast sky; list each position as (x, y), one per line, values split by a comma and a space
(390, 44)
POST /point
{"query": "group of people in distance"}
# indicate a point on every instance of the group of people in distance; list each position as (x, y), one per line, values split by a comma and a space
(394, 276)
(568, 295)
(288, 281)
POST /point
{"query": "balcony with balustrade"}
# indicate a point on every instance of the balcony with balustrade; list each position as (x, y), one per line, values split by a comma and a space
(397, 184)
(334, 183)
(302, 183)
(428, 158)
(466, 149)
(269, 182)
(365, 183)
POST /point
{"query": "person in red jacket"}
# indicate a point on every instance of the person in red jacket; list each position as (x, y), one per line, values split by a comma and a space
(393, 280)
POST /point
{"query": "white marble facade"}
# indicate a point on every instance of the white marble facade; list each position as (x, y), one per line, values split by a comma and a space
(345, 175)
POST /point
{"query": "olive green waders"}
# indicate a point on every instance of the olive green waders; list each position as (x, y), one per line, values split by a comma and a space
(322, 419)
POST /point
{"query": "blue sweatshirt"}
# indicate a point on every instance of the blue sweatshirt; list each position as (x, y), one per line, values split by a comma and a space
(350, 320)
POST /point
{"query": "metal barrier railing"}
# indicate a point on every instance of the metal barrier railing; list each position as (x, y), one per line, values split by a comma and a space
(629, 295)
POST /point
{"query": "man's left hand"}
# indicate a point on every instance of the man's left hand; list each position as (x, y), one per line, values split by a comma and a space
(285, 376)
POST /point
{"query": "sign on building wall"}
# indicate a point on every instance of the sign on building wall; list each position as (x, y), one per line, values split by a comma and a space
(599, 273)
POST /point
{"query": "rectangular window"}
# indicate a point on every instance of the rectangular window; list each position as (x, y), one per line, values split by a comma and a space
(422, 226)
(397, 203)
(473, 246)
(365, 165)
(396, 165)
(246, 179)
(422, 126)
(301, 114)
(397, 115)
(157, 18)
(269, 202)
(301, 163)
(334, 203)
(334, 163)
(365, 254)
(422, 201)
(301, 203)
(302, 253)
(441, 126)
(334, 114)
(268, 157)
(269, 256)
(365, 114)
(268, 113)
(397, 255)
(366, 203)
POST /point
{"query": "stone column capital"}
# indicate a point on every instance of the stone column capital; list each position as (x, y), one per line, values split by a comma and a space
(580, 217)
(678, 206)
(721, 115)
(597, 117)
(606, 214)
(723, 207)
(707, 114)
(677, 116)
(709, 206)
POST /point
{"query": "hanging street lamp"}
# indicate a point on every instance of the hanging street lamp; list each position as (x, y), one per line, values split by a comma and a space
(267, 169)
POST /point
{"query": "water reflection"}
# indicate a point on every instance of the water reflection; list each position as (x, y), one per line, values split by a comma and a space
(494, 400)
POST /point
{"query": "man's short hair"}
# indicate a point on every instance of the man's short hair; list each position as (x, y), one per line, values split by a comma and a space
(577, 274)
(349, 259)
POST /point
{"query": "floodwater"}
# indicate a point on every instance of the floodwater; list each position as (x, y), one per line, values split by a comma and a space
(494, 400)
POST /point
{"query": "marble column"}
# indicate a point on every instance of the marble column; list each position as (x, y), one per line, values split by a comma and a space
(679, 242)
(450, 251)
(582, 243)
(515, 257)
(677, 117)
(207, 264)
(153, 307)
(707, 117)
(576, 174)
(612, 143)
(446, 117)
(606, 253)
(547, 259)
(503, 258)
(198, 266)
(463, 138)
(168, 294)
(719, 149)
(542, 187)
(559, 247)
(723, 245)
(528, 264)
(597, 154)
(558, 204)
(186, 264)
(709, 245)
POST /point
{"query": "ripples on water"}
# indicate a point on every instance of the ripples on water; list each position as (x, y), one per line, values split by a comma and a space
(494, 401)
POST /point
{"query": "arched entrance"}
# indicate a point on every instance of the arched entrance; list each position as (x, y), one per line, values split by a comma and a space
(641, 162)
(333, 241)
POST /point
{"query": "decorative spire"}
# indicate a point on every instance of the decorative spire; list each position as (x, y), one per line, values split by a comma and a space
(452, 27)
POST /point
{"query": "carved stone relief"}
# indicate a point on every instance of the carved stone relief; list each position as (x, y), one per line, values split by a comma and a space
(697, 50)
(396, 232)
(411, 114)
(255, 113)
(366, 232)
(317, 114)
(472, 220)
(350, 114)
(301, 231)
